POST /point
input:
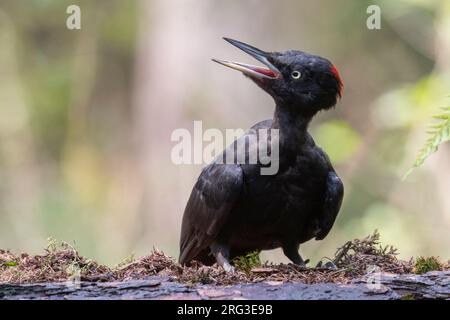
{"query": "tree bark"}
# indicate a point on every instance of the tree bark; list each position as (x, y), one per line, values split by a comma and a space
(433, 285)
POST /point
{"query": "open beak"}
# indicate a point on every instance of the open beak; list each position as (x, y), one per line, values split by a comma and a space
(271, 72)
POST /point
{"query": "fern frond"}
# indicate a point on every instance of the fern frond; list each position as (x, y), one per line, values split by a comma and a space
(439, 132)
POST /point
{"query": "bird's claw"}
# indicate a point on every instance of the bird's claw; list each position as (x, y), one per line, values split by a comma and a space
(303, 264)
(328, 265)
(228, 268)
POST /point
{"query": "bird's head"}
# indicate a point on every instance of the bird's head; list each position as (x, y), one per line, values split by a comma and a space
(295, 79)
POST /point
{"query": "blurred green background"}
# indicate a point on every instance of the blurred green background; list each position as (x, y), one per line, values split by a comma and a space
(86, 116)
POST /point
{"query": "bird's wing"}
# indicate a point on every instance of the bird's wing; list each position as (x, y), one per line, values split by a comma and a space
(333, 199)
(211, 201)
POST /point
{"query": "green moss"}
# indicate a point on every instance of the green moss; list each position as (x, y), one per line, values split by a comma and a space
(10, 264)
(248, 261)
(426, 264)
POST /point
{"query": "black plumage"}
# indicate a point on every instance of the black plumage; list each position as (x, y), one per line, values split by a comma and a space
(233, 208)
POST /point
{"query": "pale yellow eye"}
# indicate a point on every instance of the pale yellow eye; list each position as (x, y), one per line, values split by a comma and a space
(296, 75)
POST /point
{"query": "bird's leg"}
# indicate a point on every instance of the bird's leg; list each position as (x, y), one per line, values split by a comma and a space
(290, 250)
(222, 254)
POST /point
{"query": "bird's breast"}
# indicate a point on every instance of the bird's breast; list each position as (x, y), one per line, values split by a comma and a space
(285, 200)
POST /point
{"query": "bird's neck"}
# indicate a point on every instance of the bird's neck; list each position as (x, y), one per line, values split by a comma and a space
(293, 128)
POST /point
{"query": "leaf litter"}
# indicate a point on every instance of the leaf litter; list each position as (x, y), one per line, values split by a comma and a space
(62, 262)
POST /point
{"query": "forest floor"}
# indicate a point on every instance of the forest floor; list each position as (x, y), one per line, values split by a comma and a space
(356, 258)
(360, 269)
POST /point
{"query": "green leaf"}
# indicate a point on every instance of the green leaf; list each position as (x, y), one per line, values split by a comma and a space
(438, 133)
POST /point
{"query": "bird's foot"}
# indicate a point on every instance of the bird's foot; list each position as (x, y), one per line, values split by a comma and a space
(328, 265)
(222, 253)
(302, 264)
(228, 268)
(290, 250)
